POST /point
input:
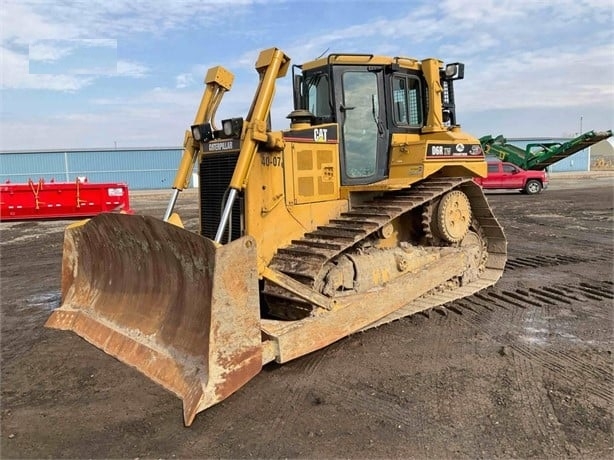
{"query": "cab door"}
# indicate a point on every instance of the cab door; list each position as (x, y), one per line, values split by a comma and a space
(511, 176)
(361, 114)
(494, 178)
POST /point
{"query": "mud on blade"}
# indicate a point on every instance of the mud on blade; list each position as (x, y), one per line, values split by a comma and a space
(166, 301)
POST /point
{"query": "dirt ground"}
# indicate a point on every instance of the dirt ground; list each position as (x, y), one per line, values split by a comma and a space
(524, 369)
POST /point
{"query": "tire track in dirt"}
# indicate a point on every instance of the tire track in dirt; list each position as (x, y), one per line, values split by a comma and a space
(289, 402)
(542, 261)
(369, 403)
(568, 366)
(448, 380)
(441, 342)
(289, 388)
(490, 316)
(542, 420)
(529, 333)
(396, 408)
(532, 361)
(378, 407)
(602, 252)
(33, 311)
(371, 400)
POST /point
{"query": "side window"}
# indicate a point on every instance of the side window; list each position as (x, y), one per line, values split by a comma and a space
(318, 96)
(493, 168)
(509, 168)
(399, 99)
(407, 106)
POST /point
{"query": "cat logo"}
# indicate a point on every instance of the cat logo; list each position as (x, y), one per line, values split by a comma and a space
(320, 134)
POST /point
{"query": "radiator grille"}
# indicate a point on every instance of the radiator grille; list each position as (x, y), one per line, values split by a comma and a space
(215, 174)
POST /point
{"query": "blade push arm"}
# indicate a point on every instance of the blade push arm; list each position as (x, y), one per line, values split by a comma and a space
(271, 64)
(218, 81)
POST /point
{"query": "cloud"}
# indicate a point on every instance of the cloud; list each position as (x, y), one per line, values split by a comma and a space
(14, 74)
(73, 57)
(522, 56)
(49, 50)
(126, 68)
(184, 80)
(518, 53)
(27, 20)
(22, 24)
(543, 78)
(51, 31)
(46, 51)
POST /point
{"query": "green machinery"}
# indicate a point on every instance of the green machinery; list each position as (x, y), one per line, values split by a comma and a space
(539, 155)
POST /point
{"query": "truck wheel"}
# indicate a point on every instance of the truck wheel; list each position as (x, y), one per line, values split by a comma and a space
(532, 187)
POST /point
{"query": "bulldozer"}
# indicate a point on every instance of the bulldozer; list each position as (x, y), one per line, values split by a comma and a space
(363, 211)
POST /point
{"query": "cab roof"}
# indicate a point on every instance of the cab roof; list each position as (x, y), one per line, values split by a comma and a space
(362, 59)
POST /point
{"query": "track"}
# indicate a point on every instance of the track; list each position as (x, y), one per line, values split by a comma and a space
(304, 259)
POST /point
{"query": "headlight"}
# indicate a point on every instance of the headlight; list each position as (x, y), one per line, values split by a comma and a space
(455, 71)
(202, 133)
(227, 127)
(232, 127)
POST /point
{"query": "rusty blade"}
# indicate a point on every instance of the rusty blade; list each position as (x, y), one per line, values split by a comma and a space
(169, 302)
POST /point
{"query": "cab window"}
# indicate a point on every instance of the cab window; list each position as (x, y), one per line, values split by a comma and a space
(407, 104)
(318, 96)
(360, 129)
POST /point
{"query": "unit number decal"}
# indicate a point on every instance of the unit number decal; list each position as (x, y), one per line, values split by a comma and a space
(271, 160)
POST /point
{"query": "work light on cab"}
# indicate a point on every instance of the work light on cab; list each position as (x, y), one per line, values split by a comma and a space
(455, 71)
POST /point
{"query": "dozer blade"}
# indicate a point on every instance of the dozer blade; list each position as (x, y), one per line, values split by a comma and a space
(176, 306)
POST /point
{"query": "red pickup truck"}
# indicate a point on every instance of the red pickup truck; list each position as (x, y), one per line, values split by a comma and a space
(503, 175)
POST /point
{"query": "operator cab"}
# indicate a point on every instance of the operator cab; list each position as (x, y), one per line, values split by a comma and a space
(371, 98)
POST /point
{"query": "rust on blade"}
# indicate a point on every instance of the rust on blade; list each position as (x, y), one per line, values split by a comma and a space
(171, 303)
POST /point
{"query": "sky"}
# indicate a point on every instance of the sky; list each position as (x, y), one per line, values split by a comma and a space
(129, 73)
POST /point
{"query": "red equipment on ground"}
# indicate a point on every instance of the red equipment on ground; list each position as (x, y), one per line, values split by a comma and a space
(53, 200)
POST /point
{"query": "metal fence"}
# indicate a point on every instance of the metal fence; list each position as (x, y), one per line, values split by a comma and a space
(144, 168)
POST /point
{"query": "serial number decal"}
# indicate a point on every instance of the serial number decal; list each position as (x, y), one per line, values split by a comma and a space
(271, 160)
(416, 170)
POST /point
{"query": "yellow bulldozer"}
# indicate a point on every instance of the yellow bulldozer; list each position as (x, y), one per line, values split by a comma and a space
(362, 212)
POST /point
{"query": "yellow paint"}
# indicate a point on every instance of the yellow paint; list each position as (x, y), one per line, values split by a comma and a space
(292, 184)
(175, 220)
(282, 207)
